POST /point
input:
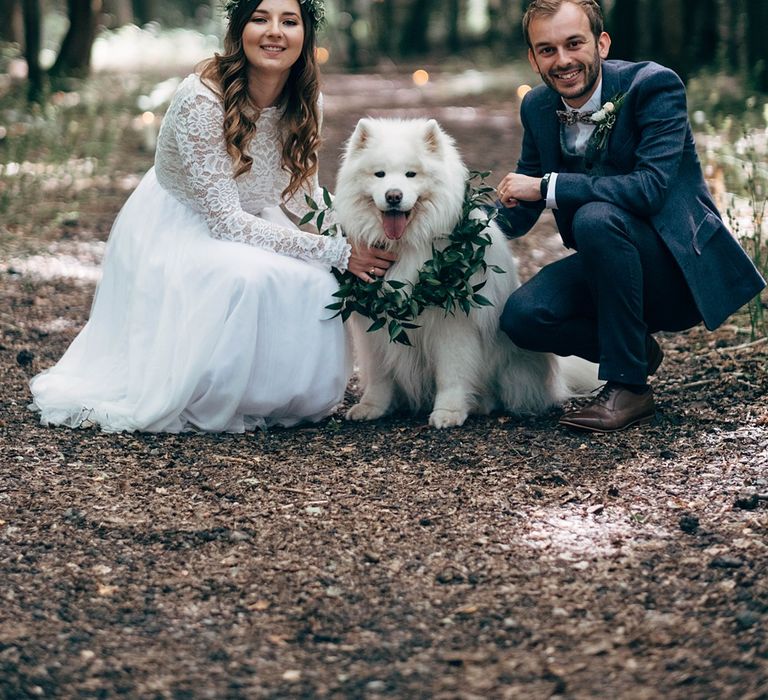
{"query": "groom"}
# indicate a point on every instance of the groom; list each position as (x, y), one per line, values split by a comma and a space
(628, 195)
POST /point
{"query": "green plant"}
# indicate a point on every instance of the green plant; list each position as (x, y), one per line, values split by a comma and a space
(754, 183)
(735, 150)
(451, 279)
(60, 155)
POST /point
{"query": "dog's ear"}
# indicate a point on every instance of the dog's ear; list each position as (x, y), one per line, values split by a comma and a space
(433, 136)
(359, 138)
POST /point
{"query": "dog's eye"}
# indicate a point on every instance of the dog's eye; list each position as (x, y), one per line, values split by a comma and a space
(380, 173)
(410, 173)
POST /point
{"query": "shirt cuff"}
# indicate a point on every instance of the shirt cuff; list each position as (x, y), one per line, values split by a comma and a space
(551, 201)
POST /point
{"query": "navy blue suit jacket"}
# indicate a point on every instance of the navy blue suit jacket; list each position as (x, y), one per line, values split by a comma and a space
(650, 169)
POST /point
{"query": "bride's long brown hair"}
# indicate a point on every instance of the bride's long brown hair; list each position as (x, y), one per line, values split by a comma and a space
(227, 74)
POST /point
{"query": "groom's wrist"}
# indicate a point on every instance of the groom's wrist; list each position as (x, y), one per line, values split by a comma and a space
(544, 186)
(550, 202)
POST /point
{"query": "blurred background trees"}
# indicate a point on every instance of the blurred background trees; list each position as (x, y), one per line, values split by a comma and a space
(688, 35)
(691, 35)
(82, 141)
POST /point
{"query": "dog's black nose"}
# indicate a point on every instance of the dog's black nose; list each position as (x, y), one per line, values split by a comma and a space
(394, 197)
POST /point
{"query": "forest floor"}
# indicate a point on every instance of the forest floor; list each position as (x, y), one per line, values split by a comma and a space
(509, 558)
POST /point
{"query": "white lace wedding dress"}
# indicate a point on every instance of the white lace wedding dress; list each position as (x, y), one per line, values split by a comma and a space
(210, 314)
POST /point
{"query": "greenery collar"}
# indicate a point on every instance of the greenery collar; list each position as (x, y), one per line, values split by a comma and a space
(444, 281)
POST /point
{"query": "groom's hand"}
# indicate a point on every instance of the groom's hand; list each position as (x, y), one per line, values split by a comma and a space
(515, 188)
(368, 263)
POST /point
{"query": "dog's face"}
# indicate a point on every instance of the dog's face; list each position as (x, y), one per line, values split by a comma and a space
(399, 183)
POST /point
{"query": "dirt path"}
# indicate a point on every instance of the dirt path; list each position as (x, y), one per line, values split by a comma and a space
(508, 558)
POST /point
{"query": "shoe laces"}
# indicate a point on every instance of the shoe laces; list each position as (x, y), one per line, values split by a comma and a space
(605, 392)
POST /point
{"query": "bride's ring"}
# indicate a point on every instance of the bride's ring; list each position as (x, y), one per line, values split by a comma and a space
(372, 271)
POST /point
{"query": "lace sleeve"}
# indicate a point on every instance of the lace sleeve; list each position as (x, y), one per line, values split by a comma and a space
(297, 204)
(212, 191)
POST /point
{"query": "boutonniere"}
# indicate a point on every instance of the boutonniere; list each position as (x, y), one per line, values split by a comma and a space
(605, 118)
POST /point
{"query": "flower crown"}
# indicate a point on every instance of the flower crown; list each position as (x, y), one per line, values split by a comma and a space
(315, 9)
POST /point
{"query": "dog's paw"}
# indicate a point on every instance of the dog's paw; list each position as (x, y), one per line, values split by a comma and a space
(444, 418)
(365, 411)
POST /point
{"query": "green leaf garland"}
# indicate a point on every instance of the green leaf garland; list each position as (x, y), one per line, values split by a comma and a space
(443, 281)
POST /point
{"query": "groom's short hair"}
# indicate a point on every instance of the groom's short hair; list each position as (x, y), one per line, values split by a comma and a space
(547, 8)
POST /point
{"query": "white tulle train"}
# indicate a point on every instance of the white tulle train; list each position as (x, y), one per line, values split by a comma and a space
(189, 332)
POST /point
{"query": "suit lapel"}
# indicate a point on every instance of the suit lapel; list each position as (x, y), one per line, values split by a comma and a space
(611, 82)
(550, 132)
(609, 90)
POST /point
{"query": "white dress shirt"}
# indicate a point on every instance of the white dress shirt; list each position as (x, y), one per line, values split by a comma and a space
(576, 137)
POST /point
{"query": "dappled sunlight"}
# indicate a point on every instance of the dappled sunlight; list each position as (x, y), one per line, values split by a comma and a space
(74, 172)
(739, 215)
(159, 96)
(75, 260)
(131, 48)
(57, 325)
(577, 533)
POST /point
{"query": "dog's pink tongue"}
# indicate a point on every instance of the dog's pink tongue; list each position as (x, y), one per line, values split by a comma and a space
(394, 224)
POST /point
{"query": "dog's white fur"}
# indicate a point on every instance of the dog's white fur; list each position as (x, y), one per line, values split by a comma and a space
(458, 364)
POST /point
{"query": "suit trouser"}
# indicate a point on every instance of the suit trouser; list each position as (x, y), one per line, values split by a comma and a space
(601, 302)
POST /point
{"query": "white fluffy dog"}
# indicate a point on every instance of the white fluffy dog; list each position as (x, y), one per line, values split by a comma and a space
(401, 186)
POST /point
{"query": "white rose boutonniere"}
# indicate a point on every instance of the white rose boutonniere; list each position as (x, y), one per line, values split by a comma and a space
(604, 119)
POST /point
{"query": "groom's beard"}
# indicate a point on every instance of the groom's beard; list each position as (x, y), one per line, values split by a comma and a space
(590, 75)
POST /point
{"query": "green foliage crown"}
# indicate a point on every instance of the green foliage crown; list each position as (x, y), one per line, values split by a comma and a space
(315, 9)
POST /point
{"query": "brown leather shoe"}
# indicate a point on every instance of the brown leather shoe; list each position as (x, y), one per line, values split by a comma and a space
(653, 354)
(614, 408)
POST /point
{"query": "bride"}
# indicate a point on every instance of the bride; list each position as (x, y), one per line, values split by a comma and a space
(211, 310)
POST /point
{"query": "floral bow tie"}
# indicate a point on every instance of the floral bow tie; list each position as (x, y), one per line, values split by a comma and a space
(571, 117)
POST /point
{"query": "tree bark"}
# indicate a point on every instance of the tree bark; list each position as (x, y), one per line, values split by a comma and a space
(414, 40)
(624, 24)
(348, 7)
(144, 11)
(670, 23)
(32, 43)
(701, 17)
(757, 45)
(385, 27)
(74, 59)
(454, 25)
(120, 12)
(11, 22)
(495, 37)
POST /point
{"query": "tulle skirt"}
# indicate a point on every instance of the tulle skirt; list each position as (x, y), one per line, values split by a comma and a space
(188, 332)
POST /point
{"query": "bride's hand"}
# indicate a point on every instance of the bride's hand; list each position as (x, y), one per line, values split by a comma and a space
(368, 263)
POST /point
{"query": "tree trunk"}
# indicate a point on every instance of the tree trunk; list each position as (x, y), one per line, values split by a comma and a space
(505, 33)
(144, 11)
(414, 40)
(702, 45)
(353, 47)
(495, 37)
(675, 42)
(32, 43)
(624, 24)
(385, 27)
(757, 46)
(120, 13)
(74, 59)
(11, 22)
(726, 29)
(454, 25)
